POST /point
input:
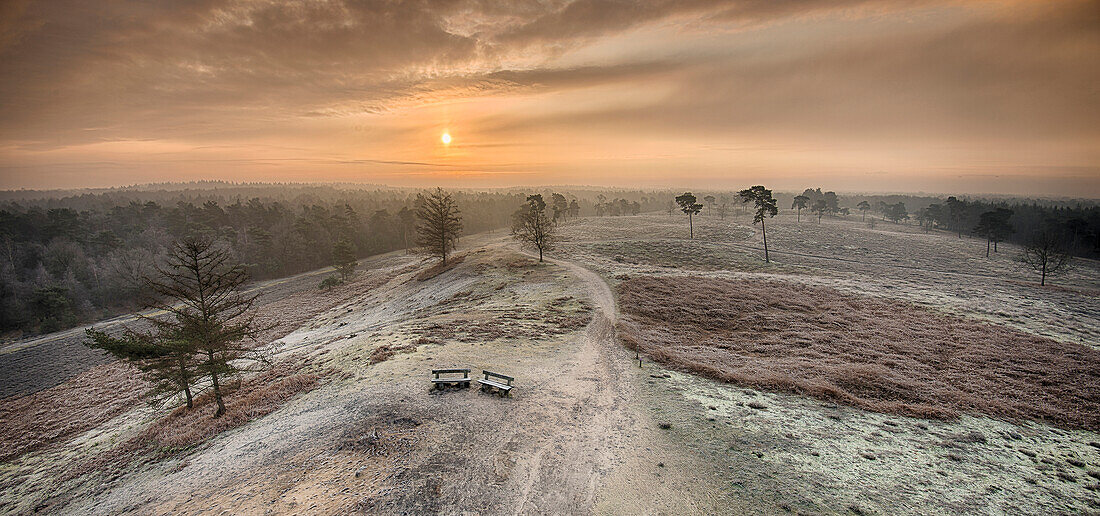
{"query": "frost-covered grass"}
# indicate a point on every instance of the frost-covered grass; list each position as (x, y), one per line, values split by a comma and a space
(936, 270)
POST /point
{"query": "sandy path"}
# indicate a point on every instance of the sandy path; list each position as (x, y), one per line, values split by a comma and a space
(563, 475)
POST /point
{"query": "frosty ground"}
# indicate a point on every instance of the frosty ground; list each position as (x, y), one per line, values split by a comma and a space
(588, 429)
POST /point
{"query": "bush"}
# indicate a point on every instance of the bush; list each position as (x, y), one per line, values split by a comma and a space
(330, 282)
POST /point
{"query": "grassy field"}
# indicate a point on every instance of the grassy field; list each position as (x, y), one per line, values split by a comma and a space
(863, 371)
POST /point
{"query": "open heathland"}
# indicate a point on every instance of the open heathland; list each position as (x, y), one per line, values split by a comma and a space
(877, 354)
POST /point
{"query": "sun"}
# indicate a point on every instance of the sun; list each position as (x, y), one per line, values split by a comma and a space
(446, 138)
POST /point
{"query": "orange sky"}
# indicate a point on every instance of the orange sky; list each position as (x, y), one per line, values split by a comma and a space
(934, 96)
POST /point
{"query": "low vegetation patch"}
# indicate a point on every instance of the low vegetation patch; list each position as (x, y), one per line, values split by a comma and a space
(182, 429)
(876, 354)
(64, 411)
(440, 268)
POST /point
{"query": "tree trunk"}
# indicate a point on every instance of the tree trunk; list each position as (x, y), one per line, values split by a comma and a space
(988, 240)
(691, 228)
(540, 254)
(217, 387)
(1043, 279)
(765, 232)
(799, 216)
(186, 383)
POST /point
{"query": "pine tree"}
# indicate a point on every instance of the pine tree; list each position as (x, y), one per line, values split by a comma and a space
(343, 258)
(690, 207)
(765, 207)
(201, 289)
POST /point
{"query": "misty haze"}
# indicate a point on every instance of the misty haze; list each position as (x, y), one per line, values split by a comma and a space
(549, 257)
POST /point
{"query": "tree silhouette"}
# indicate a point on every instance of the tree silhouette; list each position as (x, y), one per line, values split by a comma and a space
(896, 212)
(864, 207)
(440, 223)
(1046, 255)
(994, 226)
(209, 321)
(799, 204)
(343, 258)
(819, 207)
(765, 207)
(531, 225)
(688, 205)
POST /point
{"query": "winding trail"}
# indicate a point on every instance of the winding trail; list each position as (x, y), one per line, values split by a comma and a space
(563, 475)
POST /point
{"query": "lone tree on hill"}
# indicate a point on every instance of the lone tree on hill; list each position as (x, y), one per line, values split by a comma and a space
(799, 204)
(688, 205)
(531, 225)
(343, 258)
(208, 325)
(765, 207)
(864, 207)
(1047, 255)
(440, 223)
(820, 207)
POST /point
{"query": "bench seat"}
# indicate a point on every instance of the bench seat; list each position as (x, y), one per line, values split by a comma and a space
(450, 380)
(491, 383)
(504, 386)
(439, 382)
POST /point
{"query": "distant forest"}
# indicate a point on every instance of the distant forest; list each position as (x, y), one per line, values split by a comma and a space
(1075, 222)
(68, 258)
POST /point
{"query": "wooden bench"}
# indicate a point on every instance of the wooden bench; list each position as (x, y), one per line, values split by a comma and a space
(490, 384)
(438, 381)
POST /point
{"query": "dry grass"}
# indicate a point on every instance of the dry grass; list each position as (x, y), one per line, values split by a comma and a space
(879, 355)
(185, 428)
(64, 411)
(440, 268)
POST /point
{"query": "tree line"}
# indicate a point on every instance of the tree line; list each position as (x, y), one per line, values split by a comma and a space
(67, 261)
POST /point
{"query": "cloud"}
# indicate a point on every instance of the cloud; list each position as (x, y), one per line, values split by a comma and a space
(928, 75)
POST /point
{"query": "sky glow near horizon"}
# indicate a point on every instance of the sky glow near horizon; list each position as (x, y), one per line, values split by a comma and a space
(933, 96)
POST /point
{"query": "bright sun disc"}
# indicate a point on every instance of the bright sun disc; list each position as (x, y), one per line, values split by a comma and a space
(446, 138)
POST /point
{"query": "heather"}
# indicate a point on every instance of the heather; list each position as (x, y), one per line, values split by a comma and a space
(877, 354)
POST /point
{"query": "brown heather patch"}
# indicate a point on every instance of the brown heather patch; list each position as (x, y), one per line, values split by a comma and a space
(880, 355)
(184, 428)
(54, 415)
(440, 268)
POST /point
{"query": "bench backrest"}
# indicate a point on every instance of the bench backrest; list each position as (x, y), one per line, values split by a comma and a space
(509, 379)
(437, 372)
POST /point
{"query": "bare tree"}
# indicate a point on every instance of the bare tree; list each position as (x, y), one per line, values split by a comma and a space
(440, 223)
(531, 225)
(690, 207)
(765, 207)
(1047, 255)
